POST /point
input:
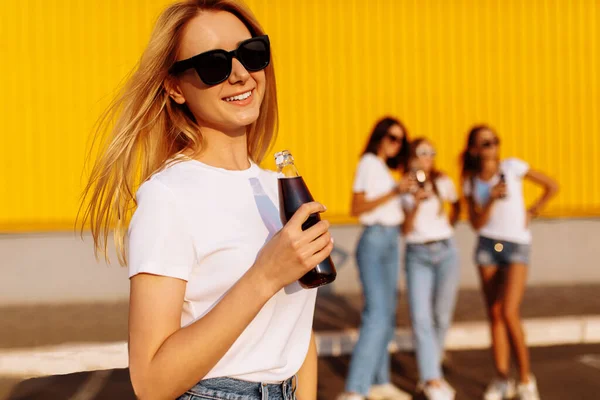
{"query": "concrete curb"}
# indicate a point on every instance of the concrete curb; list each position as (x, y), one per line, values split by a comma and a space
(475, 335)
(69, 358)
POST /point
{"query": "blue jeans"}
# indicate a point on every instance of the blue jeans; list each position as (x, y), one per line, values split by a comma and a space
(235, 389)
(432, 275)
(378, 264)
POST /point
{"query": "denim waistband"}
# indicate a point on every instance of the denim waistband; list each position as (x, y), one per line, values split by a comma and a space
(237, 389)
(394, 228)
(432, 243)
(390, 231)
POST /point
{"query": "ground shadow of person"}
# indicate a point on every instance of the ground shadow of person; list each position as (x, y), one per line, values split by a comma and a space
(91, 385)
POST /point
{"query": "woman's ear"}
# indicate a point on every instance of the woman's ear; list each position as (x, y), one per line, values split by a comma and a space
(172, 88)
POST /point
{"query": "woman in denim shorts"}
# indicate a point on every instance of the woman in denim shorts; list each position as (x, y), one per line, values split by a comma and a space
(432, 269)
(493, 189)
(216, 311)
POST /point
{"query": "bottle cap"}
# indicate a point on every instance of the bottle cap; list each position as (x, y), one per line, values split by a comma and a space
(283, 156)
(420, 175)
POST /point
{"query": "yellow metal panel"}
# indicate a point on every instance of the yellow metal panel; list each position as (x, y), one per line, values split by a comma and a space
(528, 68)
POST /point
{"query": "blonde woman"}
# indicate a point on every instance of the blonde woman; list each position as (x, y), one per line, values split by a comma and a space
(215, 309)
(432, 268)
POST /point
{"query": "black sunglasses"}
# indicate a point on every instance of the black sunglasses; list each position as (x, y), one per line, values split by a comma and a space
(489, 143)
(394, 139)
(214, 66)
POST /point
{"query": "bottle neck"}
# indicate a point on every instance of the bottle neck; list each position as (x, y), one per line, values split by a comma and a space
(288, 170)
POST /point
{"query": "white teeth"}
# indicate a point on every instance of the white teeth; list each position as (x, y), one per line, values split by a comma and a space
(242, 96)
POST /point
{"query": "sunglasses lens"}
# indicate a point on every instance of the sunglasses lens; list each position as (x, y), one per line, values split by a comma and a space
(254, 54)
(486, 144)
(214, 67)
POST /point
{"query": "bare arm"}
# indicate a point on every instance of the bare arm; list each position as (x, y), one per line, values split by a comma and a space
(307, 376)
(549, 185)
(361, 205)
(454, 213)
(479, 215)
(166, 360)
(409, 220)
(410, 213)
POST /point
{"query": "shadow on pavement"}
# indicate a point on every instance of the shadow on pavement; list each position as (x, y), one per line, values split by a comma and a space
(93, 385)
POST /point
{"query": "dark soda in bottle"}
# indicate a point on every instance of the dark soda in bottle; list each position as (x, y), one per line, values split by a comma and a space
(503, 180)
(292, 194)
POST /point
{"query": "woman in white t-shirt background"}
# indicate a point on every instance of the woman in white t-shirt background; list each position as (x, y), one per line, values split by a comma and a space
(376, 201)
(432, 268)
(215, 307)
(493, 189)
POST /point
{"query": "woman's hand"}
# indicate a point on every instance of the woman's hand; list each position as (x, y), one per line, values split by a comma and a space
(408, 184)
(498, 191)
(291, 253)
(420, 195)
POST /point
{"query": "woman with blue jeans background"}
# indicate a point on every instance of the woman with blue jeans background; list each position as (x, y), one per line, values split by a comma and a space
(432, 269)
(376, 200)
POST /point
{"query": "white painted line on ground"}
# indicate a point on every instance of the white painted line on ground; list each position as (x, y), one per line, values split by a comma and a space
(67, 359)
(548, 331)
(591, 360)
(469, 335)
(592, 329)
(336, 348)
(64, 359)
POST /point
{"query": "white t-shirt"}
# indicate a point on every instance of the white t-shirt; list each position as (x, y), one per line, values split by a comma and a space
(206, 225)
(508, 216)
(430, 224)
(374, 178)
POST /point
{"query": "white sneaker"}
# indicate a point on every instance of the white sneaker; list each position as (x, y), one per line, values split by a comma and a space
(448, 388)
(443, 392)
(500, 389)
(350, 396)
(387, 392)
(529, 390)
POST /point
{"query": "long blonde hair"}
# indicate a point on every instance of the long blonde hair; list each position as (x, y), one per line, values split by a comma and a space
(147, 127)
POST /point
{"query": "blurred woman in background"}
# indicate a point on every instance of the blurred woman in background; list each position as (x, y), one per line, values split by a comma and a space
(493, 189)
(376, 201)
(432, 269)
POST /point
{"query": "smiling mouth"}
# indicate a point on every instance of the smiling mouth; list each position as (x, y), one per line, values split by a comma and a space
(239, 97)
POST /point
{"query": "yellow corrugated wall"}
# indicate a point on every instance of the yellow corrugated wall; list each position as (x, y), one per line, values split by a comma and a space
(527, 67)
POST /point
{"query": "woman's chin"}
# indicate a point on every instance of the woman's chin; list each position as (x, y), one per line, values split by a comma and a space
(244, 118)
